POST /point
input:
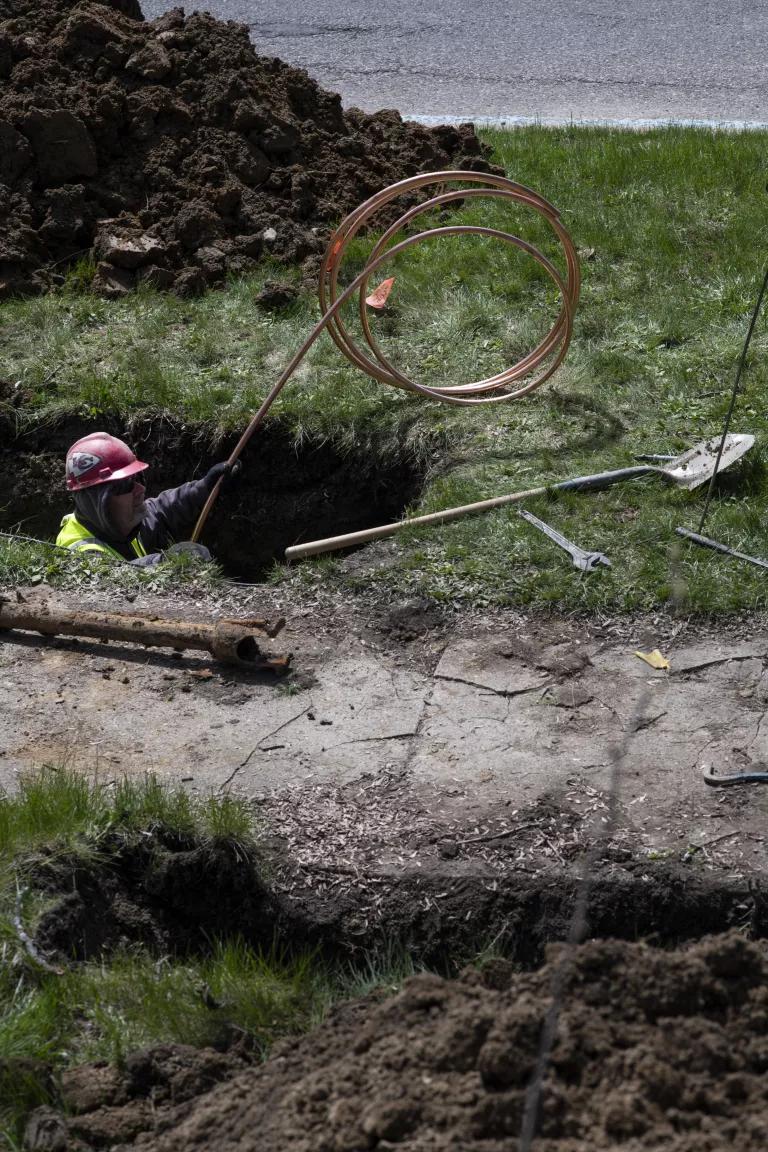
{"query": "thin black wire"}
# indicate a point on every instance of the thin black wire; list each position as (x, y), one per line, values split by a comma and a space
(577, 931)
(579, 924)
(734, 394)
(82, 556)
(34, 540)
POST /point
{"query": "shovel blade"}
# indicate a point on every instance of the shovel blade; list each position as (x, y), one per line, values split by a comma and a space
(697, 465)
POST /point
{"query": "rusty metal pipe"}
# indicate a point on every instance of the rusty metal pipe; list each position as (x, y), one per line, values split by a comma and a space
(231, 641)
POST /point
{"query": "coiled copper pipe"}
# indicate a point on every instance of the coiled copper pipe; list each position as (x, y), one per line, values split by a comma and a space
(551, 350)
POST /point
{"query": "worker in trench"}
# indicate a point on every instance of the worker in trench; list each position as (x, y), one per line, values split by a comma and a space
(113, 518)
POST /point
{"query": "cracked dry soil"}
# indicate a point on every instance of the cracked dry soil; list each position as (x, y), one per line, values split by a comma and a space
(424, 834)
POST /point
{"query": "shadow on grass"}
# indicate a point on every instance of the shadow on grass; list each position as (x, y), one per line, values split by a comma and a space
(601, 427)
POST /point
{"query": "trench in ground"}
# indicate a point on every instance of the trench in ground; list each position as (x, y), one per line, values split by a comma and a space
(175, 896)
(286, 496)
(283, 496)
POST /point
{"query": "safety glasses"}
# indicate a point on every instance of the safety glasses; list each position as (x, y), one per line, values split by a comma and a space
(127, 485)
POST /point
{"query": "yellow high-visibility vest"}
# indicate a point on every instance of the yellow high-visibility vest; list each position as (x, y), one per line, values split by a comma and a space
(73, 534)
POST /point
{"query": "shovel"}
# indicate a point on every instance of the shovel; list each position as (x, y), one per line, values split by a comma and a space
(693, 468)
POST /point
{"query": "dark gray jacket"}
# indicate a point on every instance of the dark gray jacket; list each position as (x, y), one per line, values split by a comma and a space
(172, 515)
(168, 518)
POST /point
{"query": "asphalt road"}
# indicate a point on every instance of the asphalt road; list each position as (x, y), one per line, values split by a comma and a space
(520, 59)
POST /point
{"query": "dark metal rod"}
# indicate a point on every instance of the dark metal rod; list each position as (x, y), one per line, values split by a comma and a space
(734, 394)
(707, 543)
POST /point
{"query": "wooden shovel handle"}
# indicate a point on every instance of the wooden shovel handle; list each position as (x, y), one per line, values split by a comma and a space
(576, 484)
(333, 543)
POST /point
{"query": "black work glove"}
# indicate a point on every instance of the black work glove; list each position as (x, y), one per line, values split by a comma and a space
(227, 473)
(189, 548)
(147, 561)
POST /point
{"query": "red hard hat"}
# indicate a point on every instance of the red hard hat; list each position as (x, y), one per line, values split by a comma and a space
(98, 458)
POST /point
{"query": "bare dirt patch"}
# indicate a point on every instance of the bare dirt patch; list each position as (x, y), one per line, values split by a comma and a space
(168, 894)
(655, 1050)
(175, 153)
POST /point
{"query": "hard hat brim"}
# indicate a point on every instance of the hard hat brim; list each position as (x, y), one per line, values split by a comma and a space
(76, 484)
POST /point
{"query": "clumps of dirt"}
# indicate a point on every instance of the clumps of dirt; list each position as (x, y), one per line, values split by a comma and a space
(107, 1105)
(275, 296)
(410, 619)
(12, 396)
(165, 893)
(174, 153)
(654, 1050)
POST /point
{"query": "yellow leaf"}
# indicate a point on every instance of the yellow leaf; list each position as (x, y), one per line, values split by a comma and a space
(655, 658)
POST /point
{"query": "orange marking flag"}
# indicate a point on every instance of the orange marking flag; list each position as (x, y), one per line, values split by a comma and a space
(378, 298)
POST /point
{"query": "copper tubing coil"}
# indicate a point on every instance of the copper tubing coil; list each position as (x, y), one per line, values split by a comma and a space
(493, 390)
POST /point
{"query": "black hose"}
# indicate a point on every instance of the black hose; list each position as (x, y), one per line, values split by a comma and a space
(737, 778)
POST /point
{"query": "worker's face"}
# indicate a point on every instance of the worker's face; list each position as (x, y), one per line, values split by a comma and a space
(126, 509)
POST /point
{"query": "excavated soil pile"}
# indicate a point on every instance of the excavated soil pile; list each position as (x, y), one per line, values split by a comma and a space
(655, 1050)
(176, 152)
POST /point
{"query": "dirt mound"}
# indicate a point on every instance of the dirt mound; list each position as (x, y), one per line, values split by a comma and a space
(168, 893)
(655, 1050)
(174, 152)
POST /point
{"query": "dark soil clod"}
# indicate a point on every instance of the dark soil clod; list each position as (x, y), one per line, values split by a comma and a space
(161, 896)
(173, 154)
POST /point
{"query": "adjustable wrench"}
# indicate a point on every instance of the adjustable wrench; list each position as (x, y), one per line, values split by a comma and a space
(586, 561)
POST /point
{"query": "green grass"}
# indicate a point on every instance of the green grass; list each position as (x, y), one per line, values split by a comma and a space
(29, 562)
(671, 226)
(105, 1008)
(61, 807)
(103, 1011)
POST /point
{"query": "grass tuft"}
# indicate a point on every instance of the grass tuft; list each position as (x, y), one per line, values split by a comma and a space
(62, 807)
(26, 562)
